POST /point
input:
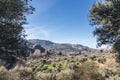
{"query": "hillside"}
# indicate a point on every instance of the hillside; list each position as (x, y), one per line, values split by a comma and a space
(63, 47)
(60, 67)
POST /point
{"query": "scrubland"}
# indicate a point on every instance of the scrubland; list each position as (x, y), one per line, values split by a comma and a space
(93, 66)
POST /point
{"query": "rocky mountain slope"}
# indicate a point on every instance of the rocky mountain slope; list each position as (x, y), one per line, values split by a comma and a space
(63, 47)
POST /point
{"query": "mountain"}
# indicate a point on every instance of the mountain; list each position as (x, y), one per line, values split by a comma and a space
(63, 47)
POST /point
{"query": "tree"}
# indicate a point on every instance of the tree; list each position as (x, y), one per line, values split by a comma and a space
(12, 18)
(106, 17)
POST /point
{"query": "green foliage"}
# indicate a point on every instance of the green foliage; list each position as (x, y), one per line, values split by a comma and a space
(22, 73)
(65, 69)
(73, 66)
(42, 76)
(60, 53)
(106, 16)
(101, 60)
(117, 46)
(94, 57)
(3, 72)
(18, 73)
(86, 71)
(110, 74)
(118, 58)
(64, 75)
(45, 67)
(12, 18)
(83, 59)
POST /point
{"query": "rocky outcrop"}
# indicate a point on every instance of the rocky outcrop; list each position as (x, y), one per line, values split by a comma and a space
(37, 51)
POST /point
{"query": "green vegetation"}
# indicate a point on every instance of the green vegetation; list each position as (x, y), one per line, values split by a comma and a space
(106, 16)
(91, 66)
(18, 73)
(12, 18)
(76, 67)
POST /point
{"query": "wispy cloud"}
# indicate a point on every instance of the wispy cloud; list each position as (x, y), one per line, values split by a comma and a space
(37, 32)
(43, 5)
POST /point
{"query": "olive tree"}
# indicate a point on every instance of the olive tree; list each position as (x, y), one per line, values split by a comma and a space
(12, 19)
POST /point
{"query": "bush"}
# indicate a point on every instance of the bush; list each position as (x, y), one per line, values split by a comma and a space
(73, 66)
(118, 58)
(18, 73)
(23, 73)
(45, 67)
(64, 75)
(44, 61)
(87, 71)
(83, 59)
(3, 73)
(94, 58)
(45, 76)
(101, 60)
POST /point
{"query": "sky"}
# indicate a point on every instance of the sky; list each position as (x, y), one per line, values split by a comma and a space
(61, 21)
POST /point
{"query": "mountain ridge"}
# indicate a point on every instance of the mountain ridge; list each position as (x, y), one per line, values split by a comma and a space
(63, 47)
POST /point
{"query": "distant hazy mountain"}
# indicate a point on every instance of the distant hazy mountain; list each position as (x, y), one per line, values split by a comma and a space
(65, 48)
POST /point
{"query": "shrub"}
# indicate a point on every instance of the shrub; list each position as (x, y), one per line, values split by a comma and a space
(54, 65)
(118, 58)
(45, 67)
(83, 59)
(94, 57)
(3, 73)
(18, 73)
(44, 61)
(87, 71)
(45, 76)
(101, 60)
(64, 75)
(22, 73)
(73, 66)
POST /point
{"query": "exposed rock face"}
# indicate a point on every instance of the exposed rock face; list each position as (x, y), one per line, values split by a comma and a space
(39, 47)
(37, 51)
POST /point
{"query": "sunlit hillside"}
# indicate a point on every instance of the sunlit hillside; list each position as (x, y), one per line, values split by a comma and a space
(59, 39)
(60, 67)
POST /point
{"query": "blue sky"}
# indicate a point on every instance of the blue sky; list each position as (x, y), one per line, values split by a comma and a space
(61, 21)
